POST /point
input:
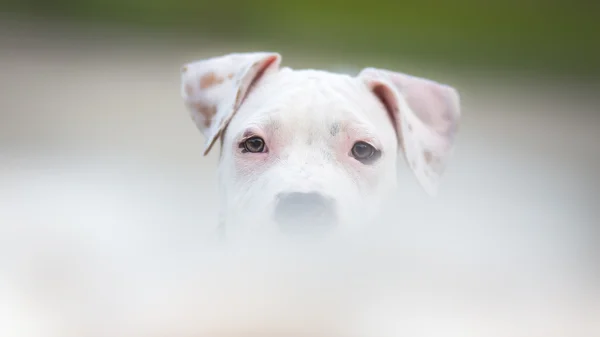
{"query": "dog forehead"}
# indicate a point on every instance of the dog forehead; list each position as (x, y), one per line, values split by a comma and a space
(318, 87)
(310, 98)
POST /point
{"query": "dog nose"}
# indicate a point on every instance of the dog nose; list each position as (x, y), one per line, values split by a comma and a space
(298, 213)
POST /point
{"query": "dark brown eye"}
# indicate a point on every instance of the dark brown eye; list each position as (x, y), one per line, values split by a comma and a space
(253, 145)
(365, 153)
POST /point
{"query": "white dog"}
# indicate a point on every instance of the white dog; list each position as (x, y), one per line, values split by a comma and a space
(312, 150)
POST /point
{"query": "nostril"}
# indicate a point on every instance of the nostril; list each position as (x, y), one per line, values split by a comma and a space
(298, 211)
(301, 202)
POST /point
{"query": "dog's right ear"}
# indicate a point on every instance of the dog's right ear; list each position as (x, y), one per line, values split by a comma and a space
(213, 89)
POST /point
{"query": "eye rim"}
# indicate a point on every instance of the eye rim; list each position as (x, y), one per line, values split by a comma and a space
(244, 145)
(373, 155)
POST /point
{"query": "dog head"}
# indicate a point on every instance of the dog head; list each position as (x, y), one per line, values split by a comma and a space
(309, 150)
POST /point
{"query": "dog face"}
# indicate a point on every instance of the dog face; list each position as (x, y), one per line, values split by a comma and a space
(308, 151)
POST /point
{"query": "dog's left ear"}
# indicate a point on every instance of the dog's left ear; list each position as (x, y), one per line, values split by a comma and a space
(213, 89)
(425, 115)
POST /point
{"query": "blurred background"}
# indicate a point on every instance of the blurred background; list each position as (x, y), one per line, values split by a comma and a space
(105, 196)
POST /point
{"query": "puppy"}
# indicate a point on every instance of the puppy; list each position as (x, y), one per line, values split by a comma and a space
(308, 150)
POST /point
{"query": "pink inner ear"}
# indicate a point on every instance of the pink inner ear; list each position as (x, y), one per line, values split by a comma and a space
(387, 97)
(424, 100)
(266, 64)
(263, 67)
(432, 103)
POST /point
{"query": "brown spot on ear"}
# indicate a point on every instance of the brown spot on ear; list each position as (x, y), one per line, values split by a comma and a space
(184, 69)
(230, 76)
(210, 80)
(428, 157)
(434, 162)
(207, 111)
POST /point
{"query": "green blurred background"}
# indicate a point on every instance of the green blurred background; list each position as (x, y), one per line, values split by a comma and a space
(533, 37)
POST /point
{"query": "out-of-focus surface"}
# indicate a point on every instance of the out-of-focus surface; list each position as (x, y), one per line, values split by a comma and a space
(106, 201)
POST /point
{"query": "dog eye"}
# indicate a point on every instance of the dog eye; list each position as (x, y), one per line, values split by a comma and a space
(365, 153)
(253, 145)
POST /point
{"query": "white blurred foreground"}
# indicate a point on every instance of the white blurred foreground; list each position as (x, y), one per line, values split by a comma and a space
(107, 215)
